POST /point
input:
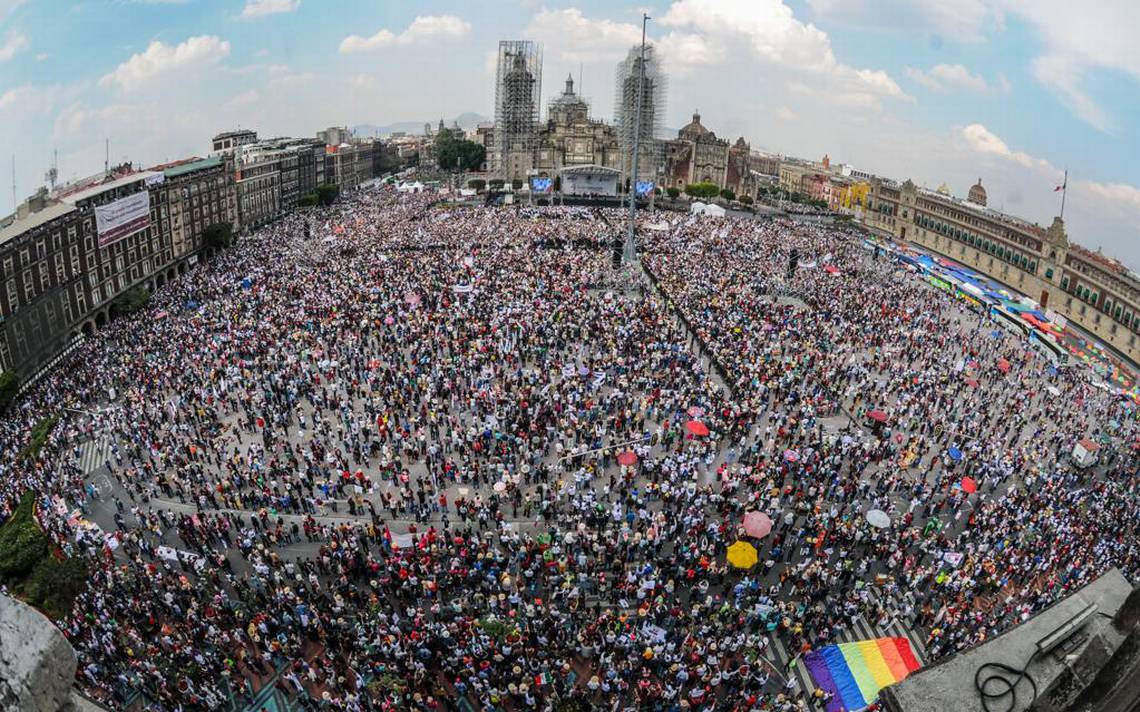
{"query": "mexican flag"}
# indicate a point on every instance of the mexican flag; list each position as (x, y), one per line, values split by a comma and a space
(542, 679)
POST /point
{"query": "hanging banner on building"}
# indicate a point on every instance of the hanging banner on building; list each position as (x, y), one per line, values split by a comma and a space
(645, 187)
(123, 217)
(156, 179)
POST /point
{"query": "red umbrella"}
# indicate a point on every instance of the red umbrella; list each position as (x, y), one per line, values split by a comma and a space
(757, 524)
(878, 416)
(696, 427)
(627, 458)
(969, 485)
(831, 269)
(1003, 365)
(973, 382)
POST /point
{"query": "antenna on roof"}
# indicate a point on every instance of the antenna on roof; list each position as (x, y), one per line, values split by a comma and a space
(106, 155)
(14, 204)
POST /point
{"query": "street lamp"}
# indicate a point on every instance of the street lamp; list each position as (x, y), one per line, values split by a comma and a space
(630, 251)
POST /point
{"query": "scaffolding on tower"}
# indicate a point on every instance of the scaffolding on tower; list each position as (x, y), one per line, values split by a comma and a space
(653, 90)
(518, 91)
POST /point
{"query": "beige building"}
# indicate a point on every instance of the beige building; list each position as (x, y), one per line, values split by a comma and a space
(1096, 292)
(571, 138)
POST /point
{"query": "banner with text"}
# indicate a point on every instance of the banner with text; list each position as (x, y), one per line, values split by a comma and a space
(123, 217)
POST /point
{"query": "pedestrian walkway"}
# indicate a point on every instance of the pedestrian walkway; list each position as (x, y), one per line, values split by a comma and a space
(95, 452)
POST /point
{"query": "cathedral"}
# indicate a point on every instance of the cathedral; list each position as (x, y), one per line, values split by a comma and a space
(698, 156)
(571, 138)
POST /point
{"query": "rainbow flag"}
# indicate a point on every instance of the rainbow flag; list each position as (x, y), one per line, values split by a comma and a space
(855, 672)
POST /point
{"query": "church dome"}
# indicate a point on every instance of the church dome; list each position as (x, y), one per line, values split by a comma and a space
(977, 194)
(694, 129)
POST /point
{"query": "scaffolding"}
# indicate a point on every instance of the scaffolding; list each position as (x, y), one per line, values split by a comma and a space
(518, 91)
(651, 153)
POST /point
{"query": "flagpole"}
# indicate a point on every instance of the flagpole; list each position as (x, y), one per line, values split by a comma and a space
(1064, 191)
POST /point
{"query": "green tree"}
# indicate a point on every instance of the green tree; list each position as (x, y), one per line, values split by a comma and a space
(746, 199)
(453, 151)
(702, 190)
(557, 183)
(9, 386)
(22, 543)
(307, 201)
(327, 193)
(219, 235)
(516, 184)
(496, 184)
(727, 194)
(674, 193)
(132, 300)
(477, 184)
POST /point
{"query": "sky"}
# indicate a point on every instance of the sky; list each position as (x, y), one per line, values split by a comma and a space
(939, 91)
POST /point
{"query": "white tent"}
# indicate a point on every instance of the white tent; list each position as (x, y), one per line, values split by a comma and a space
(416, 187)
(699, 208)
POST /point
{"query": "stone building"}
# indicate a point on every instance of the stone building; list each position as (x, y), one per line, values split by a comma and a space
(1083, 286)
(571, 138)
(698, 156)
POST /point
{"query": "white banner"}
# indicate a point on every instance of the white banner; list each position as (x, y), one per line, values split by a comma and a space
(156, 179)
(123, 217)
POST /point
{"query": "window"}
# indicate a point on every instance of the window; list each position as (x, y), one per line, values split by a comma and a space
(1049, 275)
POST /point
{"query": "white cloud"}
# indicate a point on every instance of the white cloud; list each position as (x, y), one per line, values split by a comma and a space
(1123, 197)
(7, 6)
(943, 78)
(29, 100)
(262, 8)
(962, 21)
(785, 114)
(773, 34)
(569, 36)
(1063, 74)
(362, 82)
(982, 140)
(160, 59)
(78, 115)
(12, 46)
(244, 99)
(424, 27)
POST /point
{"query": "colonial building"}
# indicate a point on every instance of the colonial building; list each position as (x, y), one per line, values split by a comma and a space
(66, 257)
(698, 156)
(571, 138)
(1096, 292)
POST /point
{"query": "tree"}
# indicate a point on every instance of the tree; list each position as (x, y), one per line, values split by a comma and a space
(327, 193)
(453, 151)
(308, 200)
(219, 235)
(727, 194)
(9, 386)
(477, 184)
(557, 183)
(496, 184)
(746, 199)
(517, 184)
(22, 543)
(702, 190)
(674, 193)
(132, 300)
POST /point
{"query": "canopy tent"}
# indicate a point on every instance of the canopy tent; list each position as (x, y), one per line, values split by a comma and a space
(699, 208)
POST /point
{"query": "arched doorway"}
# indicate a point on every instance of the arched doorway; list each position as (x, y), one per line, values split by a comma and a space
(88, 328)
(100, 320)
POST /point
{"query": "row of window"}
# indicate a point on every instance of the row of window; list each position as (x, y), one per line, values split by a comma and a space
(1120, 312)
(980, 243)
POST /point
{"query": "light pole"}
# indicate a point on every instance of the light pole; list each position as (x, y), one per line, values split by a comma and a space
(629, 254)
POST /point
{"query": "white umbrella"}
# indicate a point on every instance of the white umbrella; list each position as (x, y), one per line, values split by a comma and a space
(878, 518)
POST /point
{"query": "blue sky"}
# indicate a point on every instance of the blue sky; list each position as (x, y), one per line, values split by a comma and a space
(1013, 91)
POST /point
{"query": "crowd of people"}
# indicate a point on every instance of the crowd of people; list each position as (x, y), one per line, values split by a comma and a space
(385, 455)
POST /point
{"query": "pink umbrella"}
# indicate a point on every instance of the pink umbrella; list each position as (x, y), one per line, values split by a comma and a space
(972, 382)
(627, 458)
(757, 524)
(791, 455)
(412, 298)
(696, 427)
(831, 269)
(389, 320)
(878, 416)
(696, 411)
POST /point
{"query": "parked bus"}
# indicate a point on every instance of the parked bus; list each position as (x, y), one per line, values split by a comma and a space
(1009, 321)
(1049, 348)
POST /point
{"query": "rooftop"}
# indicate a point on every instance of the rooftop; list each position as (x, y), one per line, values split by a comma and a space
(33, 220)
(949, 685)
(189, 166)
(101, 188)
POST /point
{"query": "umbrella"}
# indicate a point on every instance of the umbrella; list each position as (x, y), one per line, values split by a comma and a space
(1003, 365)
(742, 555)
(1053, 390)
(878, 518)
(955, 454)
(878, 416)
(831, 269)
(389, 320)
(791, 455)
(696, 411)
(757, 524)
(696, 427)
(499, 486)
(969, 485)
(627, 458)
(972, 382)
(412, 298)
